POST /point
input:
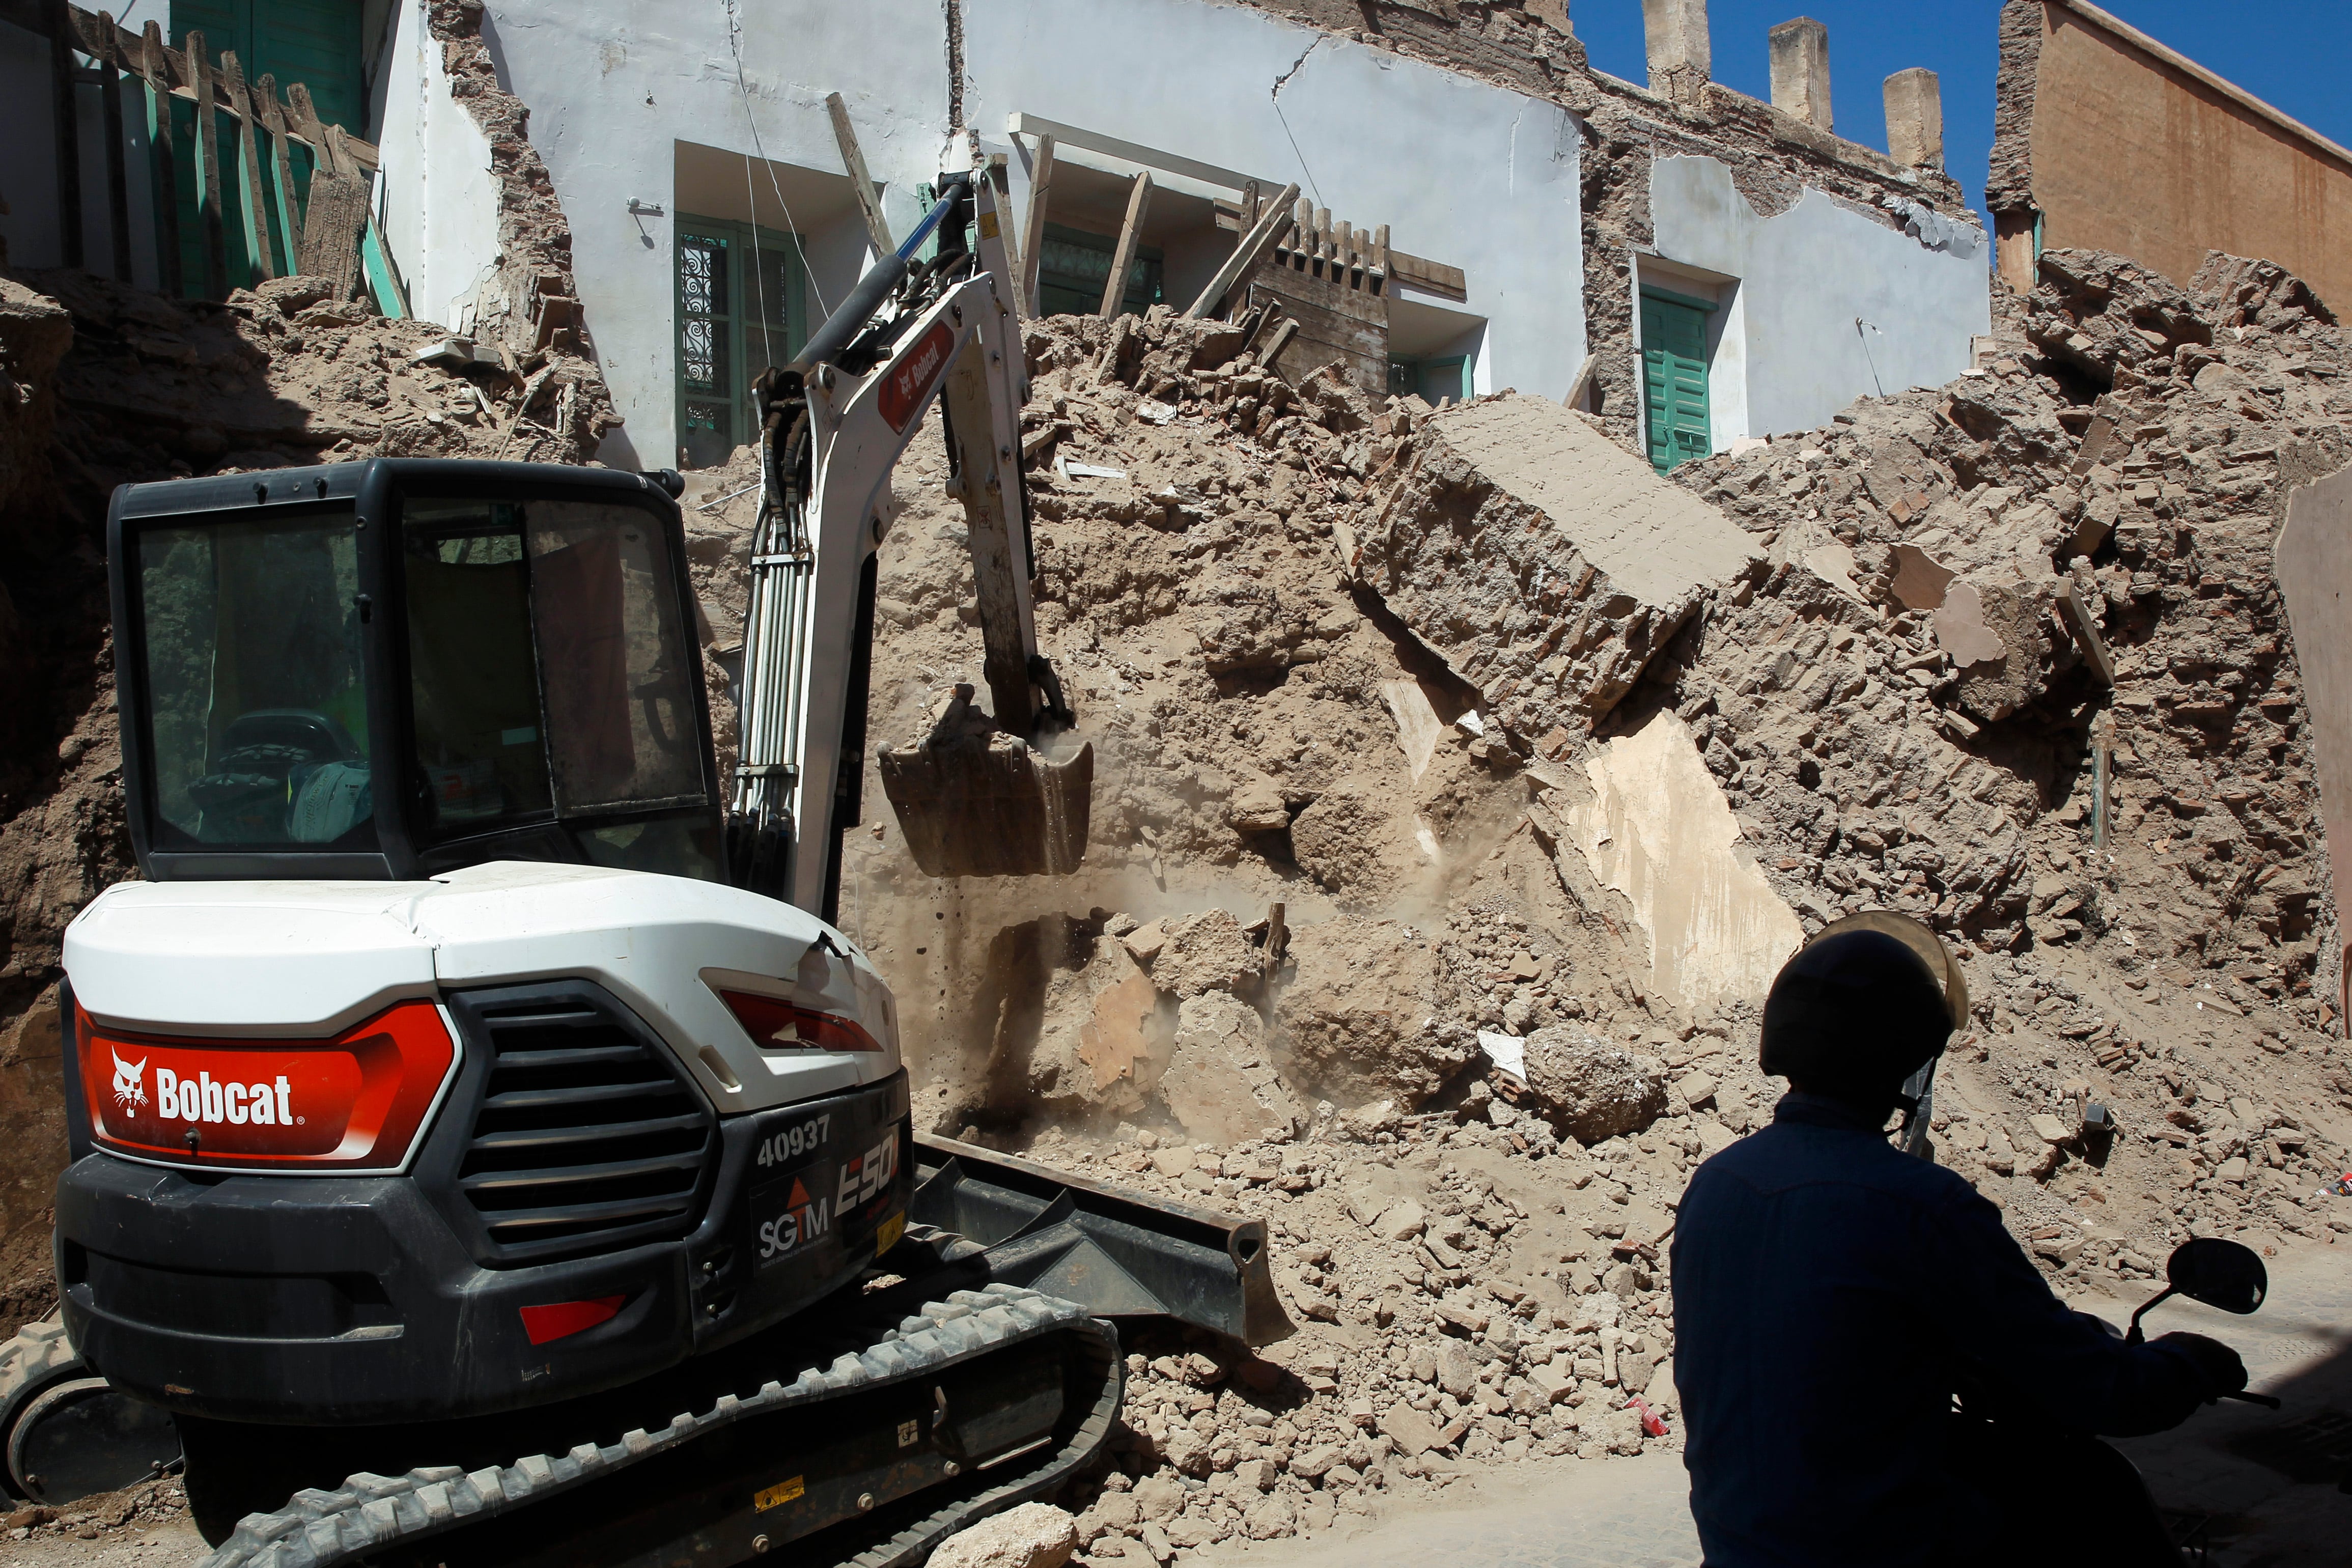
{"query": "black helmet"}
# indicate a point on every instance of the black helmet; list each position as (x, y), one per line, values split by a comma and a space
(1864, 1006)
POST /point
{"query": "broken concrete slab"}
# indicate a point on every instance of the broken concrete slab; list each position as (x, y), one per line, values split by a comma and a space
(1658, 829)
(1545, 563)
(2314, 571)
(1960, 627)
(1591, 1090)
(1206, 952)
(1920, 581)
(1418, 729)
(1220, 1085)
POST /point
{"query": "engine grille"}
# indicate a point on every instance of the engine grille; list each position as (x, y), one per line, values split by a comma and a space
(586, 1139)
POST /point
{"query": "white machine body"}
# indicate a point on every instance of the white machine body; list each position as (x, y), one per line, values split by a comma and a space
(303, 959)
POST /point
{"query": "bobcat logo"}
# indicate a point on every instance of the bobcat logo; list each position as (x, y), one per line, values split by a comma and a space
(128, 1089)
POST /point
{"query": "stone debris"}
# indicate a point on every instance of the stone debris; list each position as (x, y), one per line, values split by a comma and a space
(1031, 1535)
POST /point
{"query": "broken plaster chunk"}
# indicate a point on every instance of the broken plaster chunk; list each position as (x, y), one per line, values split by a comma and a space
(1960, 627)
(1834, 564)
(1921, 581)
(1146, 941)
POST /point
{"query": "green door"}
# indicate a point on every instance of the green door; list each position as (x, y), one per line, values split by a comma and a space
(1674, 379)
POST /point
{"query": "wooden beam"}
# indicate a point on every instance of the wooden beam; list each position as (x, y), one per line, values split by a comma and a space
(163, 166)
(66, 124)
(254, 216)
(336, 214)
(1579, 390)
(1033, 232)
(118, 180)
(2085, 631)
(1248, 256)
(281, 172)
(877, 228)
(1000, 186)
(1131, 234)
(1020, 124)
(1429, 276)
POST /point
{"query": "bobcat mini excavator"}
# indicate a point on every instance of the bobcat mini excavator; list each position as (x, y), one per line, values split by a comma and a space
(485, 1147)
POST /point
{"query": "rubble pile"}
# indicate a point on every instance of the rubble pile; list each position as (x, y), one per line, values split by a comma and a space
(1402, 760)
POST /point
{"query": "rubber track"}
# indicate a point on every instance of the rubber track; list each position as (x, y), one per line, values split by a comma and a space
(37, 1357)
(369, 1513)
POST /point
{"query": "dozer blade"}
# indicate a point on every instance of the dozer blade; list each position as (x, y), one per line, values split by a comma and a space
(990, 805)
(1117, 1253)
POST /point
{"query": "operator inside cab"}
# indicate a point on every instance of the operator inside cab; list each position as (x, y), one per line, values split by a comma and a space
(1833, 1293)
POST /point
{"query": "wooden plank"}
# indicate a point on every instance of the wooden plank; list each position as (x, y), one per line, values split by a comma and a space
(307, 126)
(1335, 322)
(861, 183)
(68, 128)
(209, 224)
(337, 212)
(1580, 389)
(2085, 630)
(1380, 250)
(248, 175)
(118, 178)
(1033, 229)
(281, 172)
(1000, 188)
(163, 166)
(1248, 256)
(1429, 276)
(1021, 124)
(1130, 235)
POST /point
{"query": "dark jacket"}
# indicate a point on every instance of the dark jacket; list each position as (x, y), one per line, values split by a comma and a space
(1829, 1293)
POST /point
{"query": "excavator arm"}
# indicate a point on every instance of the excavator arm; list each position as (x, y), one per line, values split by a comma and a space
(1000, 793)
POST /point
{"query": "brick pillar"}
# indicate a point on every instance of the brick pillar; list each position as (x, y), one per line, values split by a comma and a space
(1801, 71)
(1676, 32)
(1915, 119)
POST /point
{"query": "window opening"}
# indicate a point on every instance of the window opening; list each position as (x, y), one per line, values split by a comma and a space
(1432, 379)
(1072, 266)
(740, 309)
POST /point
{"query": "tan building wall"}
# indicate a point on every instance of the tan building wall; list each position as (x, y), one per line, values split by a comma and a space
(2118, 144)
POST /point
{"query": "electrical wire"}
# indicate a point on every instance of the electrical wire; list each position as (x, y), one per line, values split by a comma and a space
(744, 91)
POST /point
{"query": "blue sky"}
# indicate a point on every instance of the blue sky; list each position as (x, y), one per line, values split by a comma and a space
(2290, 53)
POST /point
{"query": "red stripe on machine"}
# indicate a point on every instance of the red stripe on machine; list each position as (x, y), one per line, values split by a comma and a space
(903, 389)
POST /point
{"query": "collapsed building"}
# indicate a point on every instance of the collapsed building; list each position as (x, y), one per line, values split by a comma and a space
(1463, 781)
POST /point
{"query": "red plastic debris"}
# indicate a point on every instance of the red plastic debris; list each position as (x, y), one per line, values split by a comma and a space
(1653, 1424)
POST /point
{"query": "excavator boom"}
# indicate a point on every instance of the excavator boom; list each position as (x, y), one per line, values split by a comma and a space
(982, 795)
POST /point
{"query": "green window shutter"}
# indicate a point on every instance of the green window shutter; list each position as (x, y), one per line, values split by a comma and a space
(741, 308)
(1674, 381)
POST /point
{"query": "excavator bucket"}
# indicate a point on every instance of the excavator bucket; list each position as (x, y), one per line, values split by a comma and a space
(991, 805)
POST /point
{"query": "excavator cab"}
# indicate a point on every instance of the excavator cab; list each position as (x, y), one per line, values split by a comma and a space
(397, 667)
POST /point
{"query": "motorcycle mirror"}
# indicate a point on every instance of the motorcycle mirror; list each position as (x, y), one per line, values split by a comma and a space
(2219, 1273)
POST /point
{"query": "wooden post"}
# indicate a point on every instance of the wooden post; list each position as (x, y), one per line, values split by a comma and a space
(118, 183)
(337, 211)
(1322, 236)
(281, 174)
(208, 182)
(1129, 234)
(163, 167)
(1256, 244)
(1302, 247)
(878, 229)
(2103, 742)
(1277, 940)
(1000, 182)
(1380, 262)
(1033, 232)
(68, 128)
(2085, 630)
(248, 179)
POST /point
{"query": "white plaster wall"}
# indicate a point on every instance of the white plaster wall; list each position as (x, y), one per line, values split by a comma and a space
(1461, 172)
(438, 202)
(1804, 276)
(612, 87)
